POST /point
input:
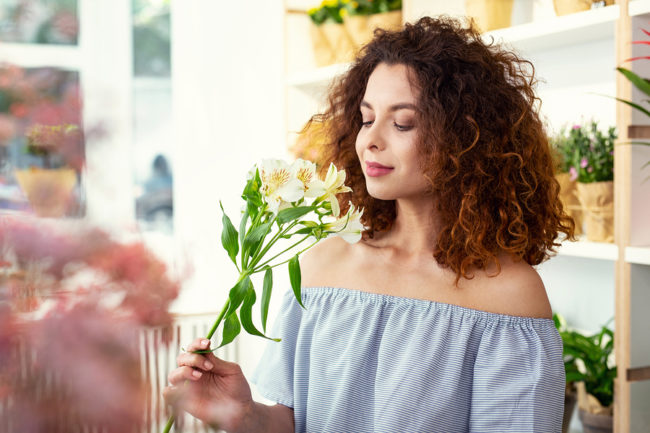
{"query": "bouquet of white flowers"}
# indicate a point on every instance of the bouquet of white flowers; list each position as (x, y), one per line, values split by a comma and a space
(283, 201)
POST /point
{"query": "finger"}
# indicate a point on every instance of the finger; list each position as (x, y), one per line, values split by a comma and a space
(172, 394)
(198, 344)
(181, 374)
(194, 360)
(219, 365)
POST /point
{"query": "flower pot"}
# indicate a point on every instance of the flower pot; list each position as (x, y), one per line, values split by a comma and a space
(339, 41)
(490, 14)
(595, 423)
(323, 54)
(49, 192)
(358, 28)
(565, 7)
(570, 399)
(569, 198)
(597, 201)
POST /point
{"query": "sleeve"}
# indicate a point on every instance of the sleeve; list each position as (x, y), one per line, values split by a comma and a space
(274, 375)
(519, 379)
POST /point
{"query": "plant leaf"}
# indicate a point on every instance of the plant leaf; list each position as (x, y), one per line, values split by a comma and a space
(640, 83)
(229, 236)
(242, 226)
(292, 213)
(231, 329)
(266, 295)
(237, 294)
(246, 315)
(255, 236)
(295, 277)
(635, 106)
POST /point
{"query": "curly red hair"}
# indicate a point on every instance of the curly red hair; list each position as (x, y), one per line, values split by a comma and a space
(484, 149)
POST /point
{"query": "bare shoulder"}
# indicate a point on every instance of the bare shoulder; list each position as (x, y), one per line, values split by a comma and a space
(321, 263)
(517, 290)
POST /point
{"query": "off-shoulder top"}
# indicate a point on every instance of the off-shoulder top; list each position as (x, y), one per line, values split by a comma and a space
(356, 362)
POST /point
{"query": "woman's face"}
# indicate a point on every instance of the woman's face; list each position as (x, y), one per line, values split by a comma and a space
(386, 143)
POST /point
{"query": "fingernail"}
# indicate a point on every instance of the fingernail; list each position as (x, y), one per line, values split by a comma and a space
(204, 343)
(208, 365)
(197, 373)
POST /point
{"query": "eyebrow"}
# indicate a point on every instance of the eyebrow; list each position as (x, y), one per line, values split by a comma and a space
(400, 106)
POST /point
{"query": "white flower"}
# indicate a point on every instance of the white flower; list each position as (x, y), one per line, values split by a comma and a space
(348, 227)
(279, 185)
(305, 172)
(334, 184)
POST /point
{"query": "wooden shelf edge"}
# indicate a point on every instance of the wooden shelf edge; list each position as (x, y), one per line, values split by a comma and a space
(638, 374)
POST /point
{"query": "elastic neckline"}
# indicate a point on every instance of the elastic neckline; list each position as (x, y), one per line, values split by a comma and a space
(424, 304)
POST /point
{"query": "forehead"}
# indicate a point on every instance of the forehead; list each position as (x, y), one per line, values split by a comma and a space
(389, 84)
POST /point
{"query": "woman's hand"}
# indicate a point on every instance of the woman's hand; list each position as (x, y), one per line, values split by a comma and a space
(211, 389)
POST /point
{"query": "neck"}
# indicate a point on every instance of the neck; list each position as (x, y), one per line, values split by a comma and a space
(415, 228)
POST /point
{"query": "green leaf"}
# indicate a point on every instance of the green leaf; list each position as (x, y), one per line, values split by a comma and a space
(640, 83)
(266, 295)
(294, 277)
(635, 106)
(229, 236)
(303, 231)
(237, 294)
(246, 315)
(255, 236)
(292, 213)
(231, 329)
(242, 226)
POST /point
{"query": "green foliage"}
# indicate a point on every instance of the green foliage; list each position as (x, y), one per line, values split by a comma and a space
(370, 7)
(336, 10)
(586, 359)
(586, 152)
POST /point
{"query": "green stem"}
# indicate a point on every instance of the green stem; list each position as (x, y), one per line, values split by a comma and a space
(256, 255)
(277, 236)
(281, 263)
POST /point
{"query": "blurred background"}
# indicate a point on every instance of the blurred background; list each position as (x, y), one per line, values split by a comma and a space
(173, 102)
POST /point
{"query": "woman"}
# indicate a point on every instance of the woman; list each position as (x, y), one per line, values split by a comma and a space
(436, 321)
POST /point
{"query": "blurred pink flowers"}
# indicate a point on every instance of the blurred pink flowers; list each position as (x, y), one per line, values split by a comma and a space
(72, 302)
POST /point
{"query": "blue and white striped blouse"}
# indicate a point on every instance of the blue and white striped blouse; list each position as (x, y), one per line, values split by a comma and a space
(357, 362)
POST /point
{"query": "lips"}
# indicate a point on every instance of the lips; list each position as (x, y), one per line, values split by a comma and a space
(375, 169)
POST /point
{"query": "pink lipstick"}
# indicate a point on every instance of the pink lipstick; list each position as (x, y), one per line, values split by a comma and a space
(375, 169)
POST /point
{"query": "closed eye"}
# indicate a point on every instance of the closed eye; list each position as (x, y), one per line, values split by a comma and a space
(403, 127)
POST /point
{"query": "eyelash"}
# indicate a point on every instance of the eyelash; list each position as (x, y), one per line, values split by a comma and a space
(402, 128)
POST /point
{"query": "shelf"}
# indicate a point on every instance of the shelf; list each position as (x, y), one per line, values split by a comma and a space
(581, 27)
(589, 250)
(41, 55)
(637, 255)
(638, 7)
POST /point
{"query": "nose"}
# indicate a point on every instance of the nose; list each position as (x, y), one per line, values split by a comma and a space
(372, 137)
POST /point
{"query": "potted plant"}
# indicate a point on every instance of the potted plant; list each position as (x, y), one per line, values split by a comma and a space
(589, 367)
(590, 154)
(490, 14)
(567, 178)
(330, 40)
(49, 187)
(362, 17)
